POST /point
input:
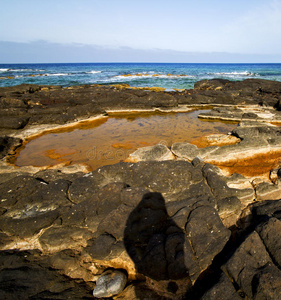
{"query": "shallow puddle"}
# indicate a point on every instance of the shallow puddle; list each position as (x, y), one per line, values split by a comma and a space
(111, 139)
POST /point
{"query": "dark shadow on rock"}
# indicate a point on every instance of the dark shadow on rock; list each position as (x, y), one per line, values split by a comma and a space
(154, 242)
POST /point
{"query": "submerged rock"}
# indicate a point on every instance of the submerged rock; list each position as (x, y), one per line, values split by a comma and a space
(152, 153)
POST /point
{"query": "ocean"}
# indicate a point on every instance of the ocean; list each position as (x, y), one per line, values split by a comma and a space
(167, 75)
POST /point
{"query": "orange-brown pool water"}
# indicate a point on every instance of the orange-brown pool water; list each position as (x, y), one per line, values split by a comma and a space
(111, 139)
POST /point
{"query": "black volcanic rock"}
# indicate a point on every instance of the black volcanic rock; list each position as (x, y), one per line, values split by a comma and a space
(61, 105)
(7, 143)
(161, 222)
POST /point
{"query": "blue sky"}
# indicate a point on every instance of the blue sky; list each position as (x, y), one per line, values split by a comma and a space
(146, 30)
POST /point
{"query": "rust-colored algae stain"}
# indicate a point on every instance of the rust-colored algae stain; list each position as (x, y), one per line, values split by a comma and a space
(59, 154)
(257, 165)
(111, 139)
(29, 159)
(215, 140)
(130, 145)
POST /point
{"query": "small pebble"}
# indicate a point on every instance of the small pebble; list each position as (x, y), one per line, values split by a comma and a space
(110, 283)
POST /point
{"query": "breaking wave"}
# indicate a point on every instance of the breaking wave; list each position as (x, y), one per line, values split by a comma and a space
(149, 75)
(231, 74)
(93, 72)
(55, 74)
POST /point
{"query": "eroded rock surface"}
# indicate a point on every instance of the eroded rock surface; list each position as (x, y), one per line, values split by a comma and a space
(33, 104)
(158, 221)
(178, 228)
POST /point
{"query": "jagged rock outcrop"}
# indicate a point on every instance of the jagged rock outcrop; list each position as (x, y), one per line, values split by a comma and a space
(178, 228)
(33, 104)
(108, 215)
(155, 220)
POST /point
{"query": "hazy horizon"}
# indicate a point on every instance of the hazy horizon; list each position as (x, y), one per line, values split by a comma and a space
(179, 31)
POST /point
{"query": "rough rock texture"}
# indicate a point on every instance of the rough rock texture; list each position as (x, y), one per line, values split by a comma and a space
(243, 114)
(142, 218)
(7, 143)
(157, 221)
(179, 228)
(223, 290)
(152, 153)
(29, 104)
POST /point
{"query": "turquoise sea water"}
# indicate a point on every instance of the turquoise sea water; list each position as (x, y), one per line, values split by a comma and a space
(169, 76)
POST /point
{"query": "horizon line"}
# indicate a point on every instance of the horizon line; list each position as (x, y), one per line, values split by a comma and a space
(132, 62)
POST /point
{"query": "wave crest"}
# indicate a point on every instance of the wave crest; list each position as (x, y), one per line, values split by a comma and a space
(235, 73)
(93, 72)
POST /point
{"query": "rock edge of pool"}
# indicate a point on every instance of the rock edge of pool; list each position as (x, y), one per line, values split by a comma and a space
(180, 222)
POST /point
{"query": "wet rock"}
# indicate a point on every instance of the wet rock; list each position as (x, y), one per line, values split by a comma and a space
(110, 283)
(222, 113)
(209, 238)
(27, 216)
(179, 175)
(48, 198)
(270, 233)
(23, 275)
(85, 186)
(218, 183)
(152, 153)
(28, 227)
(185, 150)
(249, 115)
(222, 290)
(52, 175)
(57, 105)
(219, 140)
(172, 248)
(266, 209)
(12, 102)
(139, 291)
(267, 283)
(70, 263)
(248, 262)
(266, 191)
(214, 84)
(58, 238)
(13, 122)
(7, 144)
(101, 247)
(229, 205)
(17, 188)
(161, 221)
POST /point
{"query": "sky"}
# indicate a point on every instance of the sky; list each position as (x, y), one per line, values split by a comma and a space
(140, 31)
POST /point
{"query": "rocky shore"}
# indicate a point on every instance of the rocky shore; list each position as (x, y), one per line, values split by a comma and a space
(187, 222)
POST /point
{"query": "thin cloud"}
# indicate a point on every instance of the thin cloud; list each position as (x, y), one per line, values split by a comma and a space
(42, 51)
(258, 30)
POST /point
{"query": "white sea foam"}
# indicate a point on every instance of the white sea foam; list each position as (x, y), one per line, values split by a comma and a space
(231, 74)
(21, 70)
(93, 72)
(56, 74)
(152, 75)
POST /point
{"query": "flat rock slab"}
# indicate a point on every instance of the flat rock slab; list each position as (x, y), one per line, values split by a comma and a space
(152, 153)
(163, 221)
(56, 105)
(142, 218)
(260, 114)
